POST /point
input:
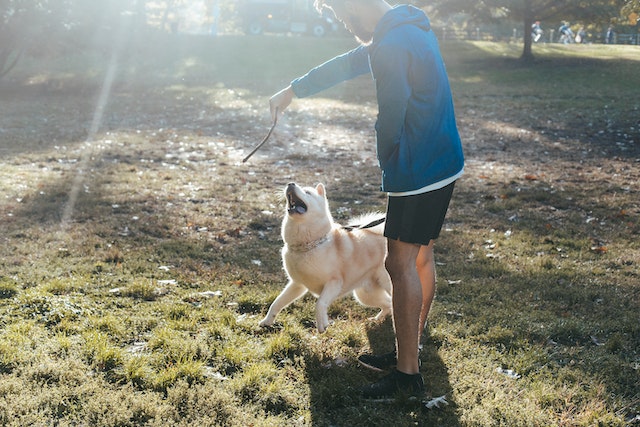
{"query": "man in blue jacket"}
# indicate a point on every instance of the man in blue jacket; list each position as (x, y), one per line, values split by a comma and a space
(419, 152)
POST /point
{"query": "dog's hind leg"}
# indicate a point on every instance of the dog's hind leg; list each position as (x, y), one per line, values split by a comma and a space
(376, 292)
(383, 280)
(374, 296)
(289, 294)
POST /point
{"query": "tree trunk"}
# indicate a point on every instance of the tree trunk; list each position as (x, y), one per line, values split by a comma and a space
(527, 54)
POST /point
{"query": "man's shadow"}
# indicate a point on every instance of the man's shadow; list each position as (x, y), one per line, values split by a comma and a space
(335, 392)
(434, 371)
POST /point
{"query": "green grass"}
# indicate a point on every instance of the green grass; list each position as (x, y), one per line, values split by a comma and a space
(143, 309)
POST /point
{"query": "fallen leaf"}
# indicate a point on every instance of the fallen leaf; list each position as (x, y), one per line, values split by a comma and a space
(599, 249)
(508, 372)
(210, 294)
(436, 402)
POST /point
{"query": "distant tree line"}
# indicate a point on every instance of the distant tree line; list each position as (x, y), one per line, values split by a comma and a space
(48, 26)
(597, 12)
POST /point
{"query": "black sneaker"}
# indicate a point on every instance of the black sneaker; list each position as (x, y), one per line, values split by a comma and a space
(379, 362)
(394, 386)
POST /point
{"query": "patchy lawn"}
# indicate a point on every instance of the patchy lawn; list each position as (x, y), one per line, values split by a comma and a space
(138, 252)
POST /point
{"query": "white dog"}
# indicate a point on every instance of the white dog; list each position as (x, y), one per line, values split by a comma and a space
(329, 260)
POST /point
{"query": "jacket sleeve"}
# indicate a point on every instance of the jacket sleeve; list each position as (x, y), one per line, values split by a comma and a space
(332, 72)
(390, 66)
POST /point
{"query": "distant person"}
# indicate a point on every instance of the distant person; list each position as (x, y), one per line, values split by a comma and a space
(173, 20)
(536, 32)
(566, 35)
(610, 36)
(581, 37)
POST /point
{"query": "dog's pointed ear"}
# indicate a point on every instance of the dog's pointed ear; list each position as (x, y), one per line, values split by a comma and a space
(321, 190)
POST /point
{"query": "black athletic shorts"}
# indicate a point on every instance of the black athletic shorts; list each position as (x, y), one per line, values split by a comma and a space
(417, 219)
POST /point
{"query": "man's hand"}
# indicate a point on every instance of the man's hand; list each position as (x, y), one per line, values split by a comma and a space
(280, 101)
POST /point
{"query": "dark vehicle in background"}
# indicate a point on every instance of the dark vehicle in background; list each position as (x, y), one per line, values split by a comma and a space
(285, 16)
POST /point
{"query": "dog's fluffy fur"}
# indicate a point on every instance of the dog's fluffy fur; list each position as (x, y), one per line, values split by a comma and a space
(322, 257)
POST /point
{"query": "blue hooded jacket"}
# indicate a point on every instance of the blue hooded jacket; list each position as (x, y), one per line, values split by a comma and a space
(418, 144)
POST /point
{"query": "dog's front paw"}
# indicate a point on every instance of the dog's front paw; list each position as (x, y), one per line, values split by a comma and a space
(322, 323)
(266, 322)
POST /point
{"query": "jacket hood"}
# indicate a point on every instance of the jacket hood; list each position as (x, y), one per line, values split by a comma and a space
(398, 16)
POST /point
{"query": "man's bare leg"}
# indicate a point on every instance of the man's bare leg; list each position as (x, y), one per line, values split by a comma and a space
(426, 266)
(407, 302)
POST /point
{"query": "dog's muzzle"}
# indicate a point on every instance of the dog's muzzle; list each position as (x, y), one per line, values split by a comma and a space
(295, 205)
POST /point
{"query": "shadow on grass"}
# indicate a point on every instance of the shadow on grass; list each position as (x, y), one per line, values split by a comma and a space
(335, 391)
(576, 325)
(182, 84)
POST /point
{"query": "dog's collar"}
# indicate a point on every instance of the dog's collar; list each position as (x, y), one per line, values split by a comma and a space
(308, 246)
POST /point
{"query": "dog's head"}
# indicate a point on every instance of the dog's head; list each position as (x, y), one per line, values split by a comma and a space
(306, 204)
